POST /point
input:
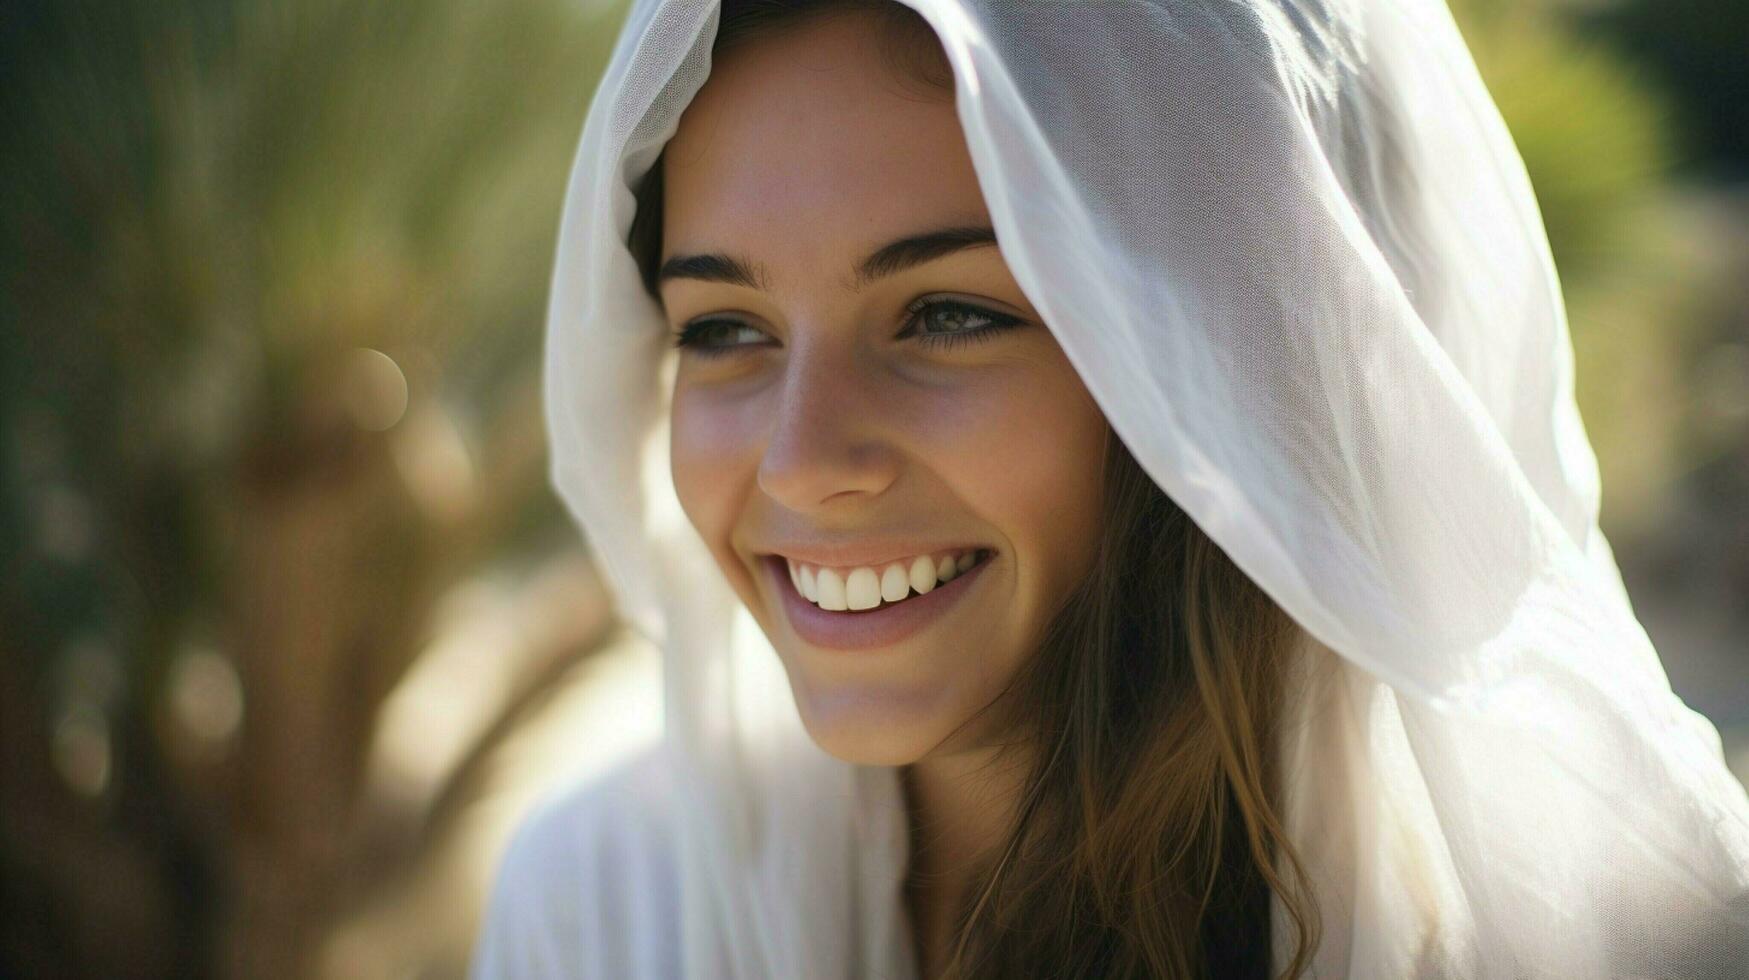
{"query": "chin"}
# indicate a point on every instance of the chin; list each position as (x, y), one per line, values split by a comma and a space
(863, 753)
(870, 735)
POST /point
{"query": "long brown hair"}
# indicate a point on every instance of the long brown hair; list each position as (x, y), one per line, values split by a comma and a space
(1147, 840)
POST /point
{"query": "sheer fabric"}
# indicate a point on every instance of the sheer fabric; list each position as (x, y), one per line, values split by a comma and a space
(1291, 249)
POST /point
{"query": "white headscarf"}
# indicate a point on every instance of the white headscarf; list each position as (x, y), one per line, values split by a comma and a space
(1291, 250)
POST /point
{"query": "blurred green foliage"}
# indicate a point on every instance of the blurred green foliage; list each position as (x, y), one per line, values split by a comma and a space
(271, 284)
(1596, 135)
(1699, 52)
(1600, 136)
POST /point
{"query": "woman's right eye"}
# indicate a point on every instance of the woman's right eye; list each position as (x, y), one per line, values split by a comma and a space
(696, 336)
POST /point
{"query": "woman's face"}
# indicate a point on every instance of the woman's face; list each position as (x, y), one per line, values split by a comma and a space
(866, 387)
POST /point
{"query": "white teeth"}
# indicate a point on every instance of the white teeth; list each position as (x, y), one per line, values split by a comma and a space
(831, 589)
(895, 583)
(923, 574)
(862, 590)
(865, 587)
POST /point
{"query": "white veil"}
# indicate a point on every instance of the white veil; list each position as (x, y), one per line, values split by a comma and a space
(1292, 252)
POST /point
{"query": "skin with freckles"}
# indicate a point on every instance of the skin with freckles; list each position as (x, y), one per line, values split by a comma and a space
(809, 403)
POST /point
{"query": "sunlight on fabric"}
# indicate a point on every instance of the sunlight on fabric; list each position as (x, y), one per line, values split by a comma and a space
(762, 691)
(960, 34)
(665, 517)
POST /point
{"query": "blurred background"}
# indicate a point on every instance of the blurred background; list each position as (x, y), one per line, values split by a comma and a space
(292, 629)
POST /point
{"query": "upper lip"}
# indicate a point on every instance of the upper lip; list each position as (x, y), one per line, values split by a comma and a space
(865, 553)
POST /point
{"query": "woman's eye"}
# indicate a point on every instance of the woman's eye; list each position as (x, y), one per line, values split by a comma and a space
(937, 324)
(961, 323)
(696, 335)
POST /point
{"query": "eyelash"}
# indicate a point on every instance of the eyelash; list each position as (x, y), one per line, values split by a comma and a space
(691, 334)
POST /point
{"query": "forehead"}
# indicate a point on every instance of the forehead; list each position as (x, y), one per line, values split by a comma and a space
(811, 144)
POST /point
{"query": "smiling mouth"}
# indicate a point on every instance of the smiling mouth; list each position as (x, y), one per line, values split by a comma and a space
(873, 588)
(882, 626)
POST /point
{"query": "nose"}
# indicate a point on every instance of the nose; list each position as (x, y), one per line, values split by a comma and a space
(829, 442)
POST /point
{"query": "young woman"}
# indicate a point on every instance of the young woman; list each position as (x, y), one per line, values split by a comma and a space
(1105, 481)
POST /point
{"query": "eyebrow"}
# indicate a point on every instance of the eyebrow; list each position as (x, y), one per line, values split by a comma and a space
(891, 258)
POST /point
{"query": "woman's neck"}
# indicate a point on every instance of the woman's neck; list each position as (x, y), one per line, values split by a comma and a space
(961, 808)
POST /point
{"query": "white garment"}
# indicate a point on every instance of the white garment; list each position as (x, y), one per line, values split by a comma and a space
(1292, 252)
(590, 878)
(589, 884)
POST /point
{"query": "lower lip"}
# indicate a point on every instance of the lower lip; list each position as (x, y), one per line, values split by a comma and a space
(869, 629)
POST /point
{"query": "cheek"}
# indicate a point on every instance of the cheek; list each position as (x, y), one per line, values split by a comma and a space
(711, 462)
(1025, 448)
